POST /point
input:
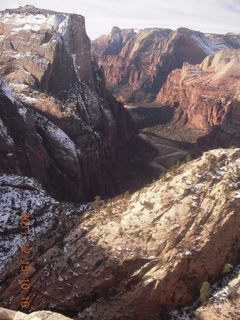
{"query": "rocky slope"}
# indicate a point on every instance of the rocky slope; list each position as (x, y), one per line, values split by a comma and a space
(6, 314)
(45, 59)
(136, 65)
(206, 97)
(159, 246)
(221, 300)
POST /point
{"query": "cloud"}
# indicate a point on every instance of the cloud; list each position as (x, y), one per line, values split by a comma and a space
(219, 16)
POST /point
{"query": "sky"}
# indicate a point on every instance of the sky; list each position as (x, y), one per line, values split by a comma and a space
(213, 16)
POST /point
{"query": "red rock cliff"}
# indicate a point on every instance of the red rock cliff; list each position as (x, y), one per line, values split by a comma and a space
(206, 96)
(47, 63)
(137, 64)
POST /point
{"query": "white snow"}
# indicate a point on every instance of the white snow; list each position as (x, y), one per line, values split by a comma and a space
(210, 47)
(7, 91)
(16, 55)
(29, 22)
(61, 23)
(36, 22)
(20, 86)
(61, 137)
(185, 253)
(35, 57)
(30, 100)
(194, 197)
(14, 200)
(237, 195)
(26, 98)
(57, 134)
(198, 175)
(66, 247)
(76, 265)
(23, 111)
(199, 185)
(60, 278)
(219, 294)
(194, 204)
(75, 67)
(4, 133)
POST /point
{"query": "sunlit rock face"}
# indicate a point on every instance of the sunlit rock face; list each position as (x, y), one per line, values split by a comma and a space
(46, 61)
(39, 315)
(206, 97)
(137, 64)
(135, 257)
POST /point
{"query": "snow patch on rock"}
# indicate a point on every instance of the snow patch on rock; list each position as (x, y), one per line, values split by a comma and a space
(7, 91)
(4, 133)
(17, 195)
(209, 47)
(57, 134)
(36, 22)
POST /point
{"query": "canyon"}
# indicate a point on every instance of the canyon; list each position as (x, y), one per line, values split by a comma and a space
(137, 64)
(64, 128)
(160, 244)
(109, 237)
(206, 97)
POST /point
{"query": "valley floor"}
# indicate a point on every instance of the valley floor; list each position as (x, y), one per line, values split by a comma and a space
(172, 144)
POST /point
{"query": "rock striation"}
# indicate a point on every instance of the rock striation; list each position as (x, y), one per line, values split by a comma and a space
(206, 97)
(138, 256)
(136, 64)
(73, 140)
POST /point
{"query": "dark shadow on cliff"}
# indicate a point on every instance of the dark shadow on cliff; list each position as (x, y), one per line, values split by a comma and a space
(127, 169)
(216, 138)
(147, 116)
(71, 271)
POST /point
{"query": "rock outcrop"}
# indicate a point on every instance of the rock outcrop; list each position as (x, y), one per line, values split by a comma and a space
(31, 145)
(136, 65)
(206, 97)
(6, 314)
(220, 301)
(73, 140)
(139, 256)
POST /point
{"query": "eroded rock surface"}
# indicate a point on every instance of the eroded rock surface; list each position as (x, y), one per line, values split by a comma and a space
(6, 314)
(206, 97)
(224, 303)
(221, 301)
(137, 257)
(46, 61)
(136, 64)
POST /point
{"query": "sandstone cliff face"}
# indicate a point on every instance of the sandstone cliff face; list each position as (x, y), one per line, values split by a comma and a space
(136, 257)
(44, 49)
(206, 97)
(136, 65)
(46, 62)
(32, 145)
